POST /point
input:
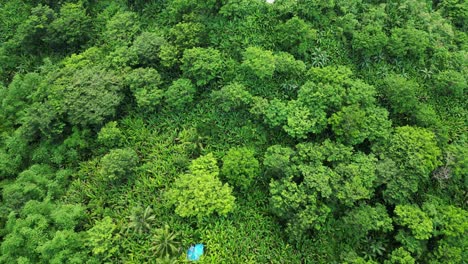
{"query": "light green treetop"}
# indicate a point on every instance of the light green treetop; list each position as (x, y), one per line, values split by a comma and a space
(200, 193)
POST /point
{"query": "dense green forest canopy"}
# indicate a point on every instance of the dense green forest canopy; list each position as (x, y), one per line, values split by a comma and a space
(299, 131)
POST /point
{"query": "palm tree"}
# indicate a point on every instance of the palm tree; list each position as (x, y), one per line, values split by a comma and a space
(140, 221)
(319, 58)
(165, 242)
(192, 141)
(166, 260)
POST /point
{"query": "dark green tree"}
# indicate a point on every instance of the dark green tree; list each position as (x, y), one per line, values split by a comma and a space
(277, 160)
(202, 65)
(400, 94)
(301, 42)
(71, 29)
(121, 29)
(32, 32)
(450, 83)
(352, 124)
(110, 135)
(371, 40)
(19, 95)
(144, 84)
(408, 43)
(147, 47)
(87, 96)
(186, 35)
(240, 167)
(31, 184)
(118, 165)
(232, 96)
(287, 67)
(416, 155)
(180, 94)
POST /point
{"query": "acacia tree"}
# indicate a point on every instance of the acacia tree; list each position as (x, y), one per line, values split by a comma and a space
(187, 35)
(417, 221)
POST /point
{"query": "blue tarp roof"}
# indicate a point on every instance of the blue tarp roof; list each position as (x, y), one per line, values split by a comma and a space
(194, 252)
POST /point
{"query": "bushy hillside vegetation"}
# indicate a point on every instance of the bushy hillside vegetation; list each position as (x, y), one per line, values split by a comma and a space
(301, 131)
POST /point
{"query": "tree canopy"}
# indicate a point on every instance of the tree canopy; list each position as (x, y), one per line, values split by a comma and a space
(270, 131)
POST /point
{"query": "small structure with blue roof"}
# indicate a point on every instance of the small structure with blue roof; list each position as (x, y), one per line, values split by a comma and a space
(194, 252)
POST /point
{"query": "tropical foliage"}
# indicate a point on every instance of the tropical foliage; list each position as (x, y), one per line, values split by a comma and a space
(287, 132)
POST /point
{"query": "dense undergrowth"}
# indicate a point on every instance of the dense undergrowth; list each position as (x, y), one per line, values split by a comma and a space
(294, 132)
